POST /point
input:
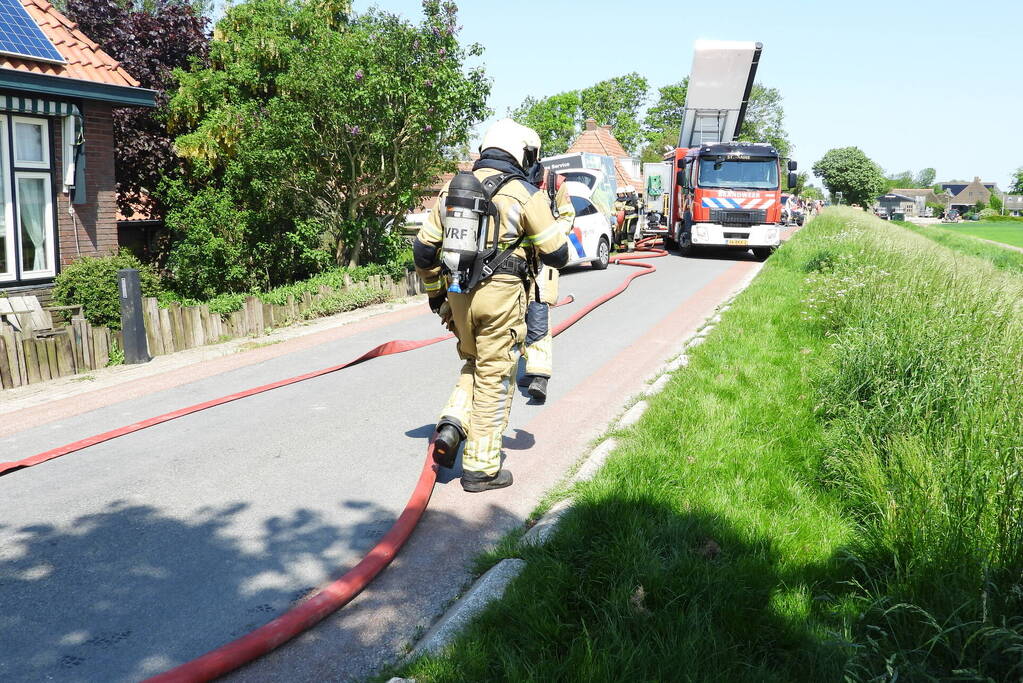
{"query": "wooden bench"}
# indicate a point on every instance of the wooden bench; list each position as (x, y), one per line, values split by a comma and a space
(26, 315)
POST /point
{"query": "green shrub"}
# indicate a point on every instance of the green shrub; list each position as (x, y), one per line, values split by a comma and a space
(335, 279)
(92, 283)
(1005, 219)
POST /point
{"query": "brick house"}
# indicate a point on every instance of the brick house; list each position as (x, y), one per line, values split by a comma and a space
(966, 195)
(57, 93)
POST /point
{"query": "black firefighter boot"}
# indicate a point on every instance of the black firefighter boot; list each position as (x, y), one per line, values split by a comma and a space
(446, 440)
(538, 388)
(477, 482)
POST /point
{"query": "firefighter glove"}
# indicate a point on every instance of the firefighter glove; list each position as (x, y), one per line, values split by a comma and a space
(447, 318)
(437, 301)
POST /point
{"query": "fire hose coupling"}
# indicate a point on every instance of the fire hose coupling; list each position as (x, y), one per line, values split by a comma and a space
(448, 437)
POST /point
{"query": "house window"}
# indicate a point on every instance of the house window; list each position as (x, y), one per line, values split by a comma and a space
(35, 223)
(27, 221)
(31, 142)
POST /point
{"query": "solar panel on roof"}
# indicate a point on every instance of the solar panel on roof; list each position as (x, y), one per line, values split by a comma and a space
(21, 36)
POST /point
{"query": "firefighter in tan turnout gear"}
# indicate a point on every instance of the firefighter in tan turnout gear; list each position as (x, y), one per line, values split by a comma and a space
(472, 255)
(541, 294)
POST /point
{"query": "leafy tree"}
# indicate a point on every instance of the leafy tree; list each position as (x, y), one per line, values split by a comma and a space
(849, 171)
(898, 180)
(664, 119)
(979, 206)
(996, 201)
(559, 118)
(1017, 182)
(654, 150)
(314, 128)
(765, 120)
(811, 191)
(149, 40)
(556, 119)
(617, 101)
(925, 178)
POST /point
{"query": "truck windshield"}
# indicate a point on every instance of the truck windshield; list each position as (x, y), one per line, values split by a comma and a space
(757, 174)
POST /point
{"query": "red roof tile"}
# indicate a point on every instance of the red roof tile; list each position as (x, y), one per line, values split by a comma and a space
(599, 140)
(85, 60)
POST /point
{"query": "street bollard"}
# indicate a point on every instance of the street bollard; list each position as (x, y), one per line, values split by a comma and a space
(133, 326)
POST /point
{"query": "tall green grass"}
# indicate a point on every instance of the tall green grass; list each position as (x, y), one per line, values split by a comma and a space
(831, 490)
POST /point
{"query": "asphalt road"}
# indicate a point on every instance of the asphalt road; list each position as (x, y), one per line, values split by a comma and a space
(133, 556)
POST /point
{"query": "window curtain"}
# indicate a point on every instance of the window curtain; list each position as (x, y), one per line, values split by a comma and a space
(28, 142)
(31, 198)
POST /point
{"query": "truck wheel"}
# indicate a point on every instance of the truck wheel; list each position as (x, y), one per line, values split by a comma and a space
(603, 254)
(685, 236)
(763, 252)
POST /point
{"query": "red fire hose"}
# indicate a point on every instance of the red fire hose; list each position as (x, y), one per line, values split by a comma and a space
(335, 595)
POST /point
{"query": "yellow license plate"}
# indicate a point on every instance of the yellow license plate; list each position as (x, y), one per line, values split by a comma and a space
(738, 243)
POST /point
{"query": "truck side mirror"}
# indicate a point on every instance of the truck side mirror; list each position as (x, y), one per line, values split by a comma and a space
(792, 179)
(680, 178)
(792, 165)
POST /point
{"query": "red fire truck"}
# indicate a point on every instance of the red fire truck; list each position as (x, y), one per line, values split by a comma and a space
(723, 194)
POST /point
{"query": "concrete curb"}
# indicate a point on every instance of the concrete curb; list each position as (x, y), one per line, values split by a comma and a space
(597, 458)
(546, 525)
(632, 415)
(658, 386)
(484, 591)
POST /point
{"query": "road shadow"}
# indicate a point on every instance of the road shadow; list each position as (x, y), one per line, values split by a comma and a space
(643, 589)
(130, 591)
(374, 629)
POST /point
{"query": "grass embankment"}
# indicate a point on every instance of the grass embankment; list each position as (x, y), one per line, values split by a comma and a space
(831, 489)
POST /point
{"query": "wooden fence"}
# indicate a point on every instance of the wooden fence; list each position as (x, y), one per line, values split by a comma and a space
(80, 347)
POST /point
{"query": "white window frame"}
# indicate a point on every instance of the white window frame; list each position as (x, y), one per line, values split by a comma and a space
(48, 216)
(8, 205)
(31, 121)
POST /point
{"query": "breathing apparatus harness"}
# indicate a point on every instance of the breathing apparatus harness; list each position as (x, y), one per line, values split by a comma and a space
(469, 217)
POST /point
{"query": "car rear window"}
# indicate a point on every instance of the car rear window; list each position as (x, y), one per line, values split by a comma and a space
(583, 207)
(584, 178)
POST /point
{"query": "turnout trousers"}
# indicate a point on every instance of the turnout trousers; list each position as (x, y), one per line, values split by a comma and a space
(490, 326)
(539, 346)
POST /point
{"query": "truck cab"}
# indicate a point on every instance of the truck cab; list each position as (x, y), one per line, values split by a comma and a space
(727, 194)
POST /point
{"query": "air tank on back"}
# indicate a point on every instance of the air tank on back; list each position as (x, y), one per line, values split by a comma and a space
(464, 218)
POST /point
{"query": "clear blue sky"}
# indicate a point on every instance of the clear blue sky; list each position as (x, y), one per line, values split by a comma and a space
(913, 84)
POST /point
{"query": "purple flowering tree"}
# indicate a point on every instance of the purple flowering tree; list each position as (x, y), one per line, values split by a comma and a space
(149, 43)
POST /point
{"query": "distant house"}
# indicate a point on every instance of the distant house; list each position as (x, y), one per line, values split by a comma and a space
(923, 196)
(898, 203)
(57, 194)
(1013, 204)
(599, 140)
(966, 195)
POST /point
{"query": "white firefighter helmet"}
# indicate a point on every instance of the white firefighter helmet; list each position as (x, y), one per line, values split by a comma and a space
(517, 140)
(628, 189)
